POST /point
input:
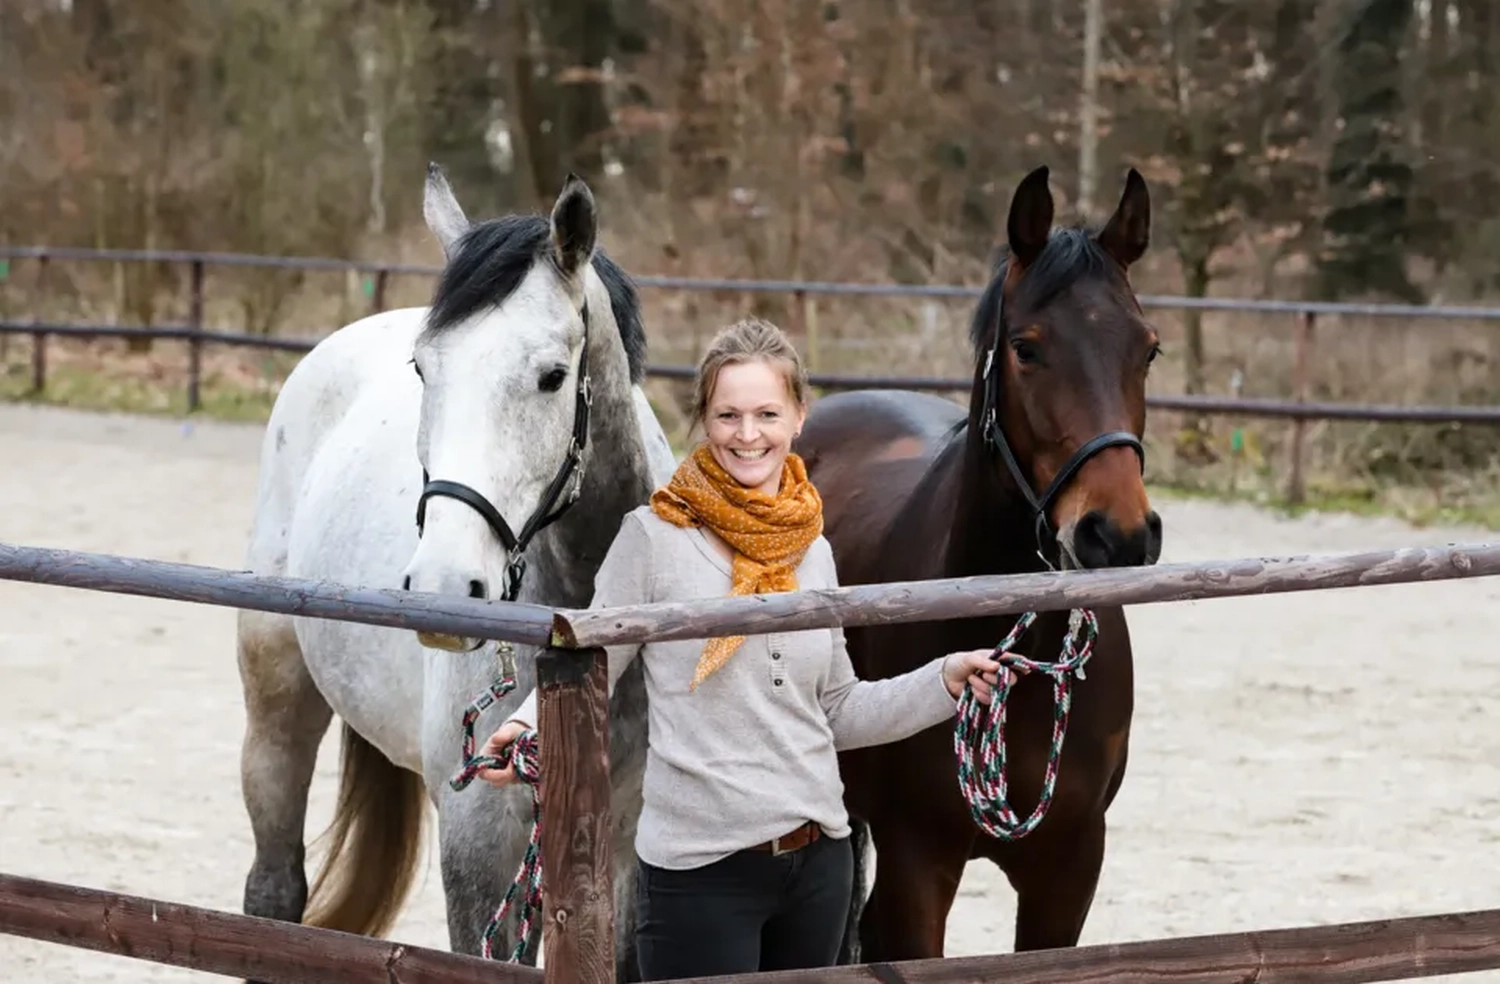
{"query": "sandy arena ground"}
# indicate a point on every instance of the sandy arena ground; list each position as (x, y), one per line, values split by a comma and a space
(1297, 759)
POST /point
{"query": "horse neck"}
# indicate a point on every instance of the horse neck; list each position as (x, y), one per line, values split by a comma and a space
(992, 530)
(616, 473)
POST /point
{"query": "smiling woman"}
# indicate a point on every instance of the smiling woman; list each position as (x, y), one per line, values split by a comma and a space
(745, 862)
(751, 395)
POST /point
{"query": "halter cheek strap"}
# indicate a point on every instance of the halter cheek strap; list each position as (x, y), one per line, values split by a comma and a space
(994, 437)
(553, 503)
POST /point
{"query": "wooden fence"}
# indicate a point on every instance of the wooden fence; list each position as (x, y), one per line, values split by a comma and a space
(578, 936)
(1300, 409)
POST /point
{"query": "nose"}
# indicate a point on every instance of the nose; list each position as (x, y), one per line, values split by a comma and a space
(477, 587)
(1099, 541)
(747, 428)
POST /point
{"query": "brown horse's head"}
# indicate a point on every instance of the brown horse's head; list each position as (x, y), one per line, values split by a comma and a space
(1063, 351)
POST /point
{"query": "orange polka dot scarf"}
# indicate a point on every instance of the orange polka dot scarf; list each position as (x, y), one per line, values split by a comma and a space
(770, 534)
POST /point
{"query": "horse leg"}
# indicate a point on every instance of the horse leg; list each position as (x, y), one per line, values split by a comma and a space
(286, 718)
(1055, 881)
(916, 880)
(483, 834)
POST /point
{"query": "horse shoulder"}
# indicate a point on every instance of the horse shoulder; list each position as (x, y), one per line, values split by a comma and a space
(315, 401)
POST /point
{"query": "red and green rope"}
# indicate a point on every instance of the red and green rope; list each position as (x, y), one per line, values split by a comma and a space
(980, 730)
(527, 885)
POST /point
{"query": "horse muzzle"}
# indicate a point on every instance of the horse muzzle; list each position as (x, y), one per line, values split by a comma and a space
(1096, 540)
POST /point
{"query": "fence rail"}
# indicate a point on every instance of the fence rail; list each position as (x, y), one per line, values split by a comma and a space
(825, 287)
(866, 604)
(229, 943)
(282, 953)
(1295, 410)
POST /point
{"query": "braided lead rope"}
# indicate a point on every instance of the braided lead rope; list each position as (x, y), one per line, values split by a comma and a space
(985, 788)
(524, 750)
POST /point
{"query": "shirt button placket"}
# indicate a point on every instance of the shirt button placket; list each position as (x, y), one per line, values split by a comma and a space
(776, 643)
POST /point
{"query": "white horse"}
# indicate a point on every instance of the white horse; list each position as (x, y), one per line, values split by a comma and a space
(532, 332)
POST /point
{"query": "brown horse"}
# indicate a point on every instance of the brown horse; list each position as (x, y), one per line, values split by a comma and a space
(1045, 469)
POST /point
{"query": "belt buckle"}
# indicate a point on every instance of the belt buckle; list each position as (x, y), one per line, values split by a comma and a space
(776, 849)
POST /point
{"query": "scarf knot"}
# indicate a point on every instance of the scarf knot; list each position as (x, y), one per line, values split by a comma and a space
(769, 534)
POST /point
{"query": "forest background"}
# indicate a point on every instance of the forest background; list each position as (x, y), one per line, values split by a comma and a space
(1294, 149)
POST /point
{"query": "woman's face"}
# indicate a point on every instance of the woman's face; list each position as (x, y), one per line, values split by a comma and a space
(751, 420)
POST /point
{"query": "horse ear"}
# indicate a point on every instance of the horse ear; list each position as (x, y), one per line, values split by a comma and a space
(575, 225)
(1128, 231)
(1030, 221)
(441, 210)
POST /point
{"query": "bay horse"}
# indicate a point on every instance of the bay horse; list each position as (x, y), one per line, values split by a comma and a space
(404, 451)
(1043, 470)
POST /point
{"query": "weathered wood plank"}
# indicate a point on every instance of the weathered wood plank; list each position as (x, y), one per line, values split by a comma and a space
(578, 935)
(1348, 953)
(412, 610)
(949, 598)
(228, 943)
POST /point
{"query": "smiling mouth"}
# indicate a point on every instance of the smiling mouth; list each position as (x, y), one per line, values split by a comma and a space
(745, 455)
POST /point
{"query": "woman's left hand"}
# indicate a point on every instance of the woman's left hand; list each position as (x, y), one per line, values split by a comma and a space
(977, 668)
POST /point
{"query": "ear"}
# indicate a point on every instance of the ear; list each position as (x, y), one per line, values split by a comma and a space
(1128, 232)
(1030, 221)
(441, 210)
(575, 225)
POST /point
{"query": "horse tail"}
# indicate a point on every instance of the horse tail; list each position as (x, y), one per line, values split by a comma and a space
(859, 842)
(374, 843)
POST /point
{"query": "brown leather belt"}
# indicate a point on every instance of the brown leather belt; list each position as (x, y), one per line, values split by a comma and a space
(794, 841)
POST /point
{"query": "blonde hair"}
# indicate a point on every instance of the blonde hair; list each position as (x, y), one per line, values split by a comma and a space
(748, 340)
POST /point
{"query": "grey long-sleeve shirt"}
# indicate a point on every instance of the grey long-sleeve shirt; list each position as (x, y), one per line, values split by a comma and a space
(750, 755)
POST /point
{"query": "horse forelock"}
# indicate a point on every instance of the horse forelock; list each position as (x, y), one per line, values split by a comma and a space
(1072, 254)
(495, 256)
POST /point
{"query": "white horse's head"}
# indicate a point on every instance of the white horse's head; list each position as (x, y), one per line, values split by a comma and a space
(506, 389)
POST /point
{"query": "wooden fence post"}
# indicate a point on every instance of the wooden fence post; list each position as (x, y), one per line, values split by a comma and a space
(39, 339)
(1296, 483)
(578, 932)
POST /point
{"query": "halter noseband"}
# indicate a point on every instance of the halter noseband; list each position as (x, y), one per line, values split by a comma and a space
(994, 437)
(548, 510)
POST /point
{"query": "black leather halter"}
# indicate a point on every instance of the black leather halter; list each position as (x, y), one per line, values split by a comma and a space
(995, 438)
(548, 510)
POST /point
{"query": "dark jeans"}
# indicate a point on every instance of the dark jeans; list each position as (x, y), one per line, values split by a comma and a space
(752, 911)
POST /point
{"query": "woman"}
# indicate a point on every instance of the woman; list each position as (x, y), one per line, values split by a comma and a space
(745, 861)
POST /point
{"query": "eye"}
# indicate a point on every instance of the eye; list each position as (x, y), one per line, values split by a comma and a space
(552, 379)
(1153, 353)
(1027, 352)
(415, 368)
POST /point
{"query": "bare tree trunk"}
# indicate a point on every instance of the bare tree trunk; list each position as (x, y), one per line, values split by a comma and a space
(1088, 110)
(535, 105)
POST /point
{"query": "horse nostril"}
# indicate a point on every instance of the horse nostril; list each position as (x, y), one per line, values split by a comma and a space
(477, 589)
(1091, 540)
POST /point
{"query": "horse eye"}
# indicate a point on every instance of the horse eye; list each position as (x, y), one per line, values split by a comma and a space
(552, 380)
(415, 368)
(1026, 351)
(1151, 355)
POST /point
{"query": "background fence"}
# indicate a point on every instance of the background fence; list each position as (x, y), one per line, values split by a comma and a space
(802, 319)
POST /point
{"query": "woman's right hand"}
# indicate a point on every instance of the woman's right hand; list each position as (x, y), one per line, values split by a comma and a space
(495, 747)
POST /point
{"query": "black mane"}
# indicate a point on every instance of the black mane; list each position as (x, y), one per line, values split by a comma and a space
(494, 257)
(1071, 254)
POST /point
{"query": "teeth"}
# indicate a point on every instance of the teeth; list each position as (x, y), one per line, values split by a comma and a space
(749, 455)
